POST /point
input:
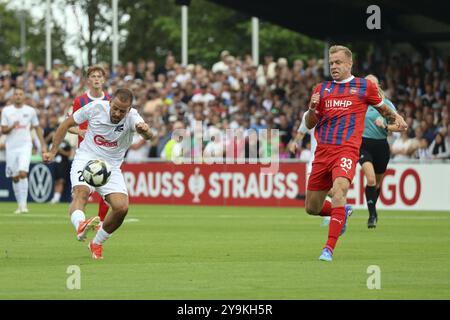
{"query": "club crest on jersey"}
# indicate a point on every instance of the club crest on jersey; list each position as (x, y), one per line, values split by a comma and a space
(119, 128)
(353, 90)
(101, 141)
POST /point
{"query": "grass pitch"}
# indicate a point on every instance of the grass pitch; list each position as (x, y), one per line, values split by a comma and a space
(183, 252)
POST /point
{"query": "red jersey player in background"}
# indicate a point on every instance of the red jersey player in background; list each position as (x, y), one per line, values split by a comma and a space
(337, 110)
(96, 77)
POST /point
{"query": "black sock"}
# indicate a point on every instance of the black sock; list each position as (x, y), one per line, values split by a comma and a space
(371, 199)
(378, 195)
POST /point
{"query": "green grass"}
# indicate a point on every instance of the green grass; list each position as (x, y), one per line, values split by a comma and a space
(183, 252)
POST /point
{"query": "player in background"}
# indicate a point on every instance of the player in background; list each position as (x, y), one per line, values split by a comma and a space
(96, 77)
(109, 135)
(17, 121)
(375, 152)
(337, 110)
(62, 166)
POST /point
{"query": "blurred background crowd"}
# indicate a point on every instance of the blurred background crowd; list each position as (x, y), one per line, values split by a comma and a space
(235, 94)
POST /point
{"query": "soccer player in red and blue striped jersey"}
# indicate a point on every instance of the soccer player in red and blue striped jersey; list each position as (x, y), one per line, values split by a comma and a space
(337, 111)
(96, 77)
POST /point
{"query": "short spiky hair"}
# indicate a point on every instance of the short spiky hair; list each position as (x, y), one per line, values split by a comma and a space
(124, 95)
(92, 69)
(347, 51)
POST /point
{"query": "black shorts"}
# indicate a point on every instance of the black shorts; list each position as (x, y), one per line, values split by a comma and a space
(375, 151)
(62, 170)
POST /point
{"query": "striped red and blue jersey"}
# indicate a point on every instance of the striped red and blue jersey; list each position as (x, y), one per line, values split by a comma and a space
(342, 109)
(83, 100)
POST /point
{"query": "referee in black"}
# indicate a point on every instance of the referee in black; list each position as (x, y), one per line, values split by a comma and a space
(62, 170)
(375, 153)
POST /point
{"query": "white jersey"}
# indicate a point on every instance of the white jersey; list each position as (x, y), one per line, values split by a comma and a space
(19, 138)
(104, 139)
(303, 129)
(141, 154)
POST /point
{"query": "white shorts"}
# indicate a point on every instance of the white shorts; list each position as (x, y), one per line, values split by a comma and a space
(116, 183)
(16, 161)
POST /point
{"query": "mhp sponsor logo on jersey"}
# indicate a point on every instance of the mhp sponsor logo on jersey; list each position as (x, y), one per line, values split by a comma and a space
(101, 141)
(41, 183)
(337, 103)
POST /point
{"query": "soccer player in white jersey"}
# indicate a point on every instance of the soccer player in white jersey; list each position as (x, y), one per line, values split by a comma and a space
(108, 136)
(17, 121)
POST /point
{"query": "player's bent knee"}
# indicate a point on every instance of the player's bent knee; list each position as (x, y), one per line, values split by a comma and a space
(311, 210)
(121, 210)
(371, 181)
(80, 194)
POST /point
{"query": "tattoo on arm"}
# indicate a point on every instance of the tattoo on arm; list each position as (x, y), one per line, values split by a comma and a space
(387, 113)
(311, 119)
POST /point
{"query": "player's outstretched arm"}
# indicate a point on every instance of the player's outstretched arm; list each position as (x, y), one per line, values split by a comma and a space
(293, 145)
(394, 128)
(388, 127)
(78, 131)
(392, 117)
(144, 130)
(41, 138)
(57, 138)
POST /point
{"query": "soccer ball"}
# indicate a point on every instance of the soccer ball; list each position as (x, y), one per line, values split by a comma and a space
(96, 173)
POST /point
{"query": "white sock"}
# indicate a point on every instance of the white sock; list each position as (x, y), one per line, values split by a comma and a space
(101, 236)
(23, 187)
(17, 194)
(76, 217)
(56, 197)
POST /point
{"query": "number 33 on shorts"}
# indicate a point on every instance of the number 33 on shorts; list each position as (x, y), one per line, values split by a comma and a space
(346, 164)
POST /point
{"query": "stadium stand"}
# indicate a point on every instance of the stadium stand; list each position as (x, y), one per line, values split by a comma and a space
(239, 95)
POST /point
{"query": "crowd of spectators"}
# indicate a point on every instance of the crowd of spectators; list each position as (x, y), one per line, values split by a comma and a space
(235, 94)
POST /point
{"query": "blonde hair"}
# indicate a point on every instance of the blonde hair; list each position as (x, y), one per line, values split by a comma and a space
(377, 83)
(347, 51)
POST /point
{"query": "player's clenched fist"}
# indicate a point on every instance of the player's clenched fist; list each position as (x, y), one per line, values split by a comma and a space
(401, 123)
(48, 157)
(144, 129)
(315, 99)
(292, 147)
